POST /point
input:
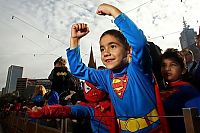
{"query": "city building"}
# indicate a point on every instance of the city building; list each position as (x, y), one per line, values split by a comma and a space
(21, 85)
(187, 40)
(3, 91)
(14, 72)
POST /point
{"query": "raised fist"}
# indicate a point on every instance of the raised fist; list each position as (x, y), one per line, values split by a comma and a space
(79, 30)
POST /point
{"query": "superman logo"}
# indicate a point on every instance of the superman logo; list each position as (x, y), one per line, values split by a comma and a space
(119, 85)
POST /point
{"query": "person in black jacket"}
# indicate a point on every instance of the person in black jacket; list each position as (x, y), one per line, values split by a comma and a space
(63, 82)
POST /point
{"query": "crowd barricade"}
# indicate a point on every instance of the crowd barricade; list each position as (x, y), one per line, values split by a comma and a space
(191, 120)
(18, 122)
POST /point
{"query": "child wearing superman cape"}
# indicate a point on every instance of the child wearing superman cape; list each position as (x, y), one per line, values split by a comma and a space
(178, 94)
(127, 80)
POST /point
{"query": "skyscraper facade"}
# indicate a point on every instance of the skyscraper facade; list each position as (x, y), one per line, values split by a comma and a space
(14, 72)
(187, 40)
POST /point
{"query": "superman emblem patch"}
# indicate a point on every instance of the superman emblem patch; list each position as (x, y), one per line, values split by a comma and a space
(119, 85)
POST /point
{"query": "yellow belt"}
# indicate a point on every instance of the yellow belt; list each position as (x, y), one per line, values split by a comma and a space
(135, 124)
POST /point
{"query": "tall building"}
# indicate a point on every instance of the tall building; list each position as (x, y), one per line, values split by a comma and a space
(21, 85)
(14, 72)
(3, 91)
(187, 40)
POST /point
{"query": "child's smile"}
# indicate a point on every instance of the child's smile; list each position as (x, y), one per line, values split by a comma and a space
(112, 52)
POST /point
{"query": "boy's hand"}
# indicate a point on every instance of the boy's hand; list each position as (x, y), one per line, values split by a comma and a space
(35, 112)
(79, 30)
(106, 9)
(102, 109)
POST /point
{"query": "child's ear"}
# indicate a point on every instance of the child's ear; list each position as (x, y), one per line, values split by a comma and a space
(129, 50)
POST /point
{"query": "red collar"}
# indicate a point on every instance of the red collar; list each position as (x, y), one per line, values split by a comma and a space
(178, 83)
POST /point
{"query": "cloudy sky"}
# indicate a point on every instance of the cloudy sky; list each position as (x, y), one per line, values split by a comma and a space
(33, 33)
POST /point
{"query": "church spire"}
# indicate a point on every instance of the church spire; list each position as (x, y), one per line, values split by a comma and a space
(92, 63)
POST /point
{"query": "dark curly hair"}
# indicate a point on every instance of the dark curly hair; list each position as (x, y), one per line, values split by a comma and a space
(175, 55)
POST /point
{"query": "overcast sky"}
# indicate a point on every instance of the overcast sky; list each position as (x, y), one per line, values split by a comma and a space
(33, 33)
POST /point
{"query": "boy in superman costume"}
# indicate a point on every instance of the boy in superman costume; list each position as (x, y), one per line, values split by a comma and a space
(98, 109)
(128, 82)
(178, 94)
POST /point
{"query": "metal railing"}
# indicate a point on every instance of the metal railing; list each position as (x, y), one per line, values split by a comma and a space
(18, 122)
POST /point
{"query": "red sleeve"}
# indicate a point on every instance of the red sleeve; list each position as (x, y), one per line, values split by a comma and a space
(51, 111)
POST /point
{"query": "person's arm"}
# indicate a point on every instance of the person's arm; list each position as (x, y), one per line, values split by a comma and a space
(78, 31)
(133, 34)
(106, 9)
(50, 111)
(127, 26)
(81, 71)
(135, 38)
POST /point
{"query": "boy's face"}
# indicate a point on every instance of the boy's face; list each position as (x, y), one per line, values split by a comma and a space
(171, 70)
(113, 53)
(188, 58)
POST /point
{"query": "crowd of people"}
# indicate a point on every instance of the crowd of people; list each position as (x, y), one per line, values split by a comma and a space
(130, 94)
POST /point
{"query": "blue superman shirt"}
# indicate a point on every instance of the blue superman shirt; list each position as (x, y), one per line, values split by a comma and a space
(134, 102)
